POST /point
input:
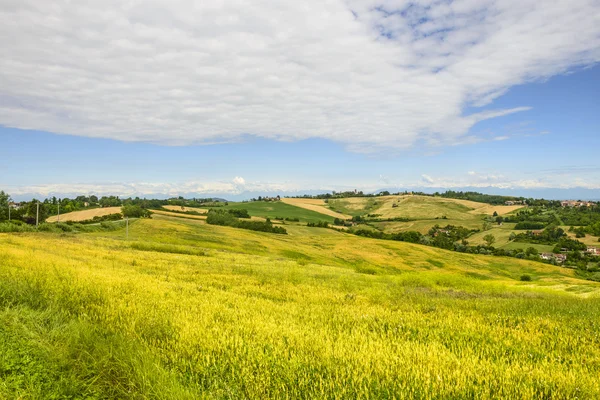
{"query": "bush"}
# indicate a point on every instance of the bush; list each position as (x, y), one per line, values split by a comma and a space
(239, 213)
(10, 227)
(225, 218)
(133, 211)
(526, 278)
(528, 225)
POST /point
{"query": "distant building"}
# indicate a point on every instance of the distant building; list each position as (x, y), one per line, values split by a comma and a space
(573, 203)
(15, 206)
(514, 202)
(593, 251)
(559, 258)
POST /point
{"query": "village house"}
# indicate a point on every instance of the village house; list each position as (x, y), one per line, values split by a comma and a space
(15, 206)
(560, 258)
(593, 251)
(514, 202)
(573, 203)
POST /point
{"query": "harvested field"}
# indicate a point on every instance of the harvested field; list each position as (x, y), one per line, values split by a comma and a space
(185, 209)
(317, 205)
(85, 214)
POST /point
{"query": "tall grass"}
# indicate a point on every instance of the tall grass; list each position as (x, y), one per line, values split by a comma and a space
(100, 317)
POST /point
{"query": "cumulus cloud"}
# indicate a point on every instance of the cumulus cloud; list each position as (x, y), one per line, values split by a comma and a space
(239, 181)
(373, 74)
(427, 179)
(234, 187)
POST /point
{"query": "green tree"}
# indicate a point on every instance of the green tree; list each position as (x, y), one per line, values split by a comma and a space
(489, 239)
(31, 211)
(133, 211)
(4, 200)
(531, 251)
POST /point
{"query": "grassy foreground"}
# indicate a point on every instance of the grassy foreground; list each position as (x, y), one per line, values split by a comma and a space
(188, 310)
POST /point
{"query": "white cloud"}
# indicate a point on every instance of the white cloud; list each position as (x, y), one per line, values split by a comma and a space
(371, 74)
(236, 186)
(239, 181)
(427, 179)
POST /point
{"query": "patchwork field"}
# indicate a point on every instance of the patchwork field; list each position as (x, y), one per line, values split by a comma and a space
(85, 214)
(426, 211)
(177, 215)
(185, 209)
(275, 209)
(317, 205)
(188, 310)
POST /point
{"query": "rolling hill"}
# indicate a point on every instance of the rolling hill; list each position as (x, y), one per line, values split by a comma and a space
(183, 309)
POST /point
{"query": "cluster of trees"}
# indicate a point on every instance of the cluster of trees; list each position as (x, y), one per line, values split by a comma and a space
(266, 198)
(320, 224)
(550, 235)
(239, 213)
(226, 218)
(291, 219)
(525, 225)
(135, 211)
(479, 197)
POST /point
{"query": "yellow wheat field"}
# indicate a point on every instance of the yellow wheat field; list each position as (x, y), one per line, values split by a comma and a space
(85, 214)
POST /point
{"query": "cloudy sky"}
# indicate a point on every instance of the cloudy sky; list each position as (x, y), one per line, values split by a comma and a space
(181, 96)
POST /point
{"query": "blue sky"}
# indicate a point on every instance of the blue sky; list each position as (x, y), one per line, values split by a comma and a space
(277, 117)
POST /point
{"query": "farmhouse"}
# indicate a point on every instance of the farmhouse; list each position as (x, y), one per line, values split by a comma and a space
(559, 258)
(573, 203)
(15, 206)
(514, 202)
(593, 251)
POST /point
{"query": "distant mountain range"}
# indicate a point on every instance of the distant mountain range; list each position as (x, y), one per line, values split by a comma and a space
(546, 193)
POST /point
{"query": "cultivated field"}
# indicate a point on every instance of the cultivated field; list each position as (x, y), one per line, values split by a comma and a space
(178, 215)
(317, 205)
(188, 310)
(275, 209)
(185, 209)
(425, 211)
(85, 214)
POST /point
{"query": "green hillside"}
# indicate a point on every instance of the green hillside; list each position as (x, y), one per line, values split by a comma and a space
(188, 310)
(274, 209)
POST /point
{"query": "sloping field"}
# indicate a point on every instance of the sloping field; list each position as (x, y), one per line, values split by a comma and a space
(185, 310)
(185, 209)
(426, 211)
(427, 207)
(317, 205)
(589, 240)
(85, 214)
(178, 215)
(277, 209)
(355, 205)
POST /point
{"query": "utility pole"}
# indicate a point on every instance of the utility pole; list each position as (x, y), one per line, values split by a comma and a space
(58, 219)
(37, 215)
(127, 227)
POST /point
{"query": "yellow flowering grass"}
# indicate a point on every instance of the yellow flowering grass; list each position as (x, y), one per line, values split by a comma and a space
(187, 310)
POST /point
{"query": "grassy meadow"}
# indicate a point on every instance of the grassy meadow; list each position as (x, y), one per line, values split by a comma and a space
(188, 310)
